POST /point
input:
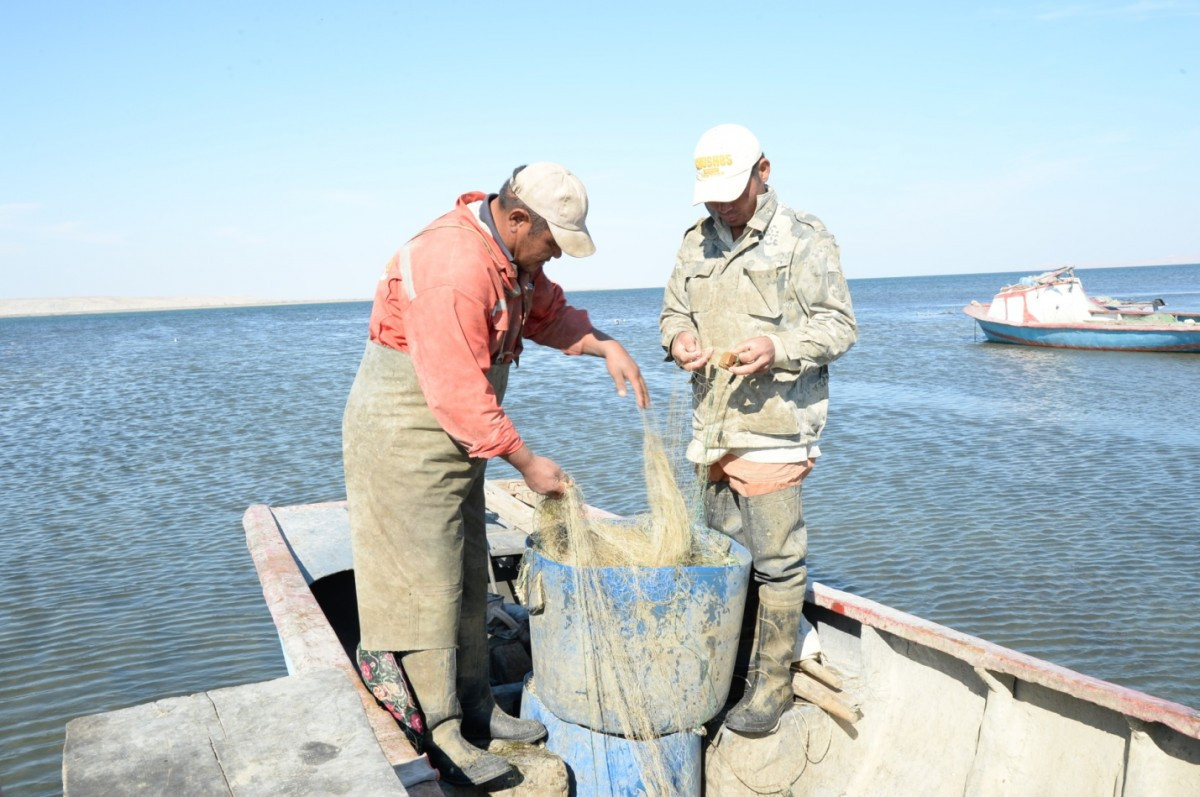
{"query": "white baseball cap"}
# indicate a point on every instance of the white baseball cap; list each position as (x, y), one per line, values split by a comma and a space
(557, 196)
(724, 157)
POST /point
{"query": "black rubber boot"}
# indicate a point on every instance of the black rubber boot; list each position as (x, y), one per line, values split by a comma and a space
(432, 675)
(482, 719)
(769, 690)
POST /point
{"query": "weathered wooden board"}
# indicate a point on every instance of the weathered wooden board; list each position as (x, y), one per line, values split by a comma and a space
(319, 534)
(511, 510)
(300, 735)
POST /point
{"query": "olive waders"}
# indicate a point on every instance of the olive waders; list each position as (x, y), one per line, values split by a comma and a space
(416, 504)
(771, 527)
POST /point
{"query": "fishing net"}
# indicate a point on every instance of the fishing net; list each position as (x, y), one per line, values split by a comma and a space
(671, 533)
(666, 536)
(617, 566)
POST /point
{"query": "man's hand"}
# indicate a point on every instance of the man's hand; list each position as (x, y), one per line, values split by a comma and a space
(754, 356)
(621, 366)
(624, 370)
(541, 474)
(688, 354)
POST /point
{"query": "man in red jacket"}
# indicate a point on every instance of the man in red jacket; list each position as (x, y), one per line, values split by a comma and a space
(423, 417)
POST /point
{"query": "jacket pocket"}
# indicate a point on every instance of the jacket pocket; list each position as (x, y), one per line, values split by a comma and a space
(763, 406)
(761, 292)
(702, 292)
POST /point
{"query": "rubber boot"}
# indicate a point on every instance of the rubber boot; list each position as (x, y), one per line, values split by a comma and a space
(769, 690)
(743, 658)
(432, 675)
(482, 719)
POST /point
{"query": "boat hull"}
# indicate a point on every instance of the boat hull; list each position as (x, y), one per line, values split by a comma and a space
(1159, 338)
(941, 712)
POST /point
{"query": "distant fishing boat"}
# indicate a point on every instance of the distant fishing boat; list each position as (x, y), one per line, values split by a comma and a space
(937, 712)
(1053, 310)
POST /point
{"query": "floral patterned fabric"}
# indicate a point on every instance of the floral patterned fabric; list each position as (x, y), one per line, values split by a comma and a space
(382, 674)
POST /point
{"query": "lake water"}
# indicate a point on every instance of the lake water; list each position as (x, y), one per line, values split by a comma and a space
(1045, 500)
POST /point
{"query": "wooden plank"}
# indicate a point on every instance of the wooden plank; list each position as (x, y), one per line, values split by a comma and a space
(514, 503)
(160, 747)
(808, 688)
(312, 735)
(319, 535)
(822, 673)
(510, 509)
(303, 734)
(506, 542)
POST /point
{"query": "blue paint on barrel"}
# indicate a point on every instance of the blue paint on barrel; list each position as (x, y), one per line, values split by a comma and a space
(603, 765)
(677, 632)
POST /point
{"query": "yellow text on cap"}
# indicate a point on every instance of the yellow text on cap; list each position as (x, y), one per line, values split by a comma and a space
(708, 165)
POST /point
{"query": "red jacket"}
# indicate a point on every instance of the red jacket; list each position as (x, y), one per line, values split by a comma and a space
(451, 299)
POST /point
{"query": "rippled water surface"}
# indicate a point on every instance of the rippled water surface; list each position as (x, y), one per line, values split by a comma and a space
(1045, 500)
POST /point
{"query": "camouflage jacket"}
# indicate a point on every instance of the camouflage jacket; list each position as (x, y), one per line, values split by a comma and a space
(783, 279)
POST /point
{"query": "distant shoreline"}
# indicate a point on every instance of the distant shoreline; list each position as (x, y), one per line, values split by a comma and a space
(85, 305)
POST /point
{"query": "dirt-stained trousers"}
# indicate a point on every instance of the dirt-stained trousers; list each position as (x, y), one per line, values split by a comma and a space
(771, 527)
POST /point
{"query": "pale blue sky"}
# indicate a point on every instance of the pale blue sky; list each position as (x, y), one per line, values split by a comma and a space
(286, 150)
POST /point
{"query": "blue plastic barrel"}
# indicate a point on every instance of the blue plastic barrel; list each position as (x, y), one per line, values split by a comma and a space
(677, 632)
(602, 765)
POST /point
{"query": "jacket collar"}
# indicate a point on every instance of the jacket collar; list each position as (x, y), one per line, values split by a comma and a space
(472, 206)
(766, 205)
(485, 216)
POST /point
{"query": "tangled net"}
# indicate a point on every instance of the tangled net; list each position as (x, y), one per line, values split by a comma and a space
(669, 535)
(617, 568)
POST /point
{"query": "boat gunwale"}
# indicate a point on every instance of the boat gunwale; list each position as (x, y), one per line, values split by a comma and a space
(982, 654)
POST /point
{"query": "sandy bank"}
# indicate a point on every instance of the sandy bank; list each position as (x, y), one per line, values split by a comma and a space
(75, 305)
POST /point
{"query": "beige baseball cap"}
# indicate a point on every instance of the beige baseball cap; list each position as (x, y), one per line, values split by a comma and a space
(557, 196)
(724, 157)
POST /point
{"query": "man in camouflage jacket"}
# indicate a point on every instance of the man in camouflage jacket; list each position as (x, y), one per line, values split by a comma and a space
(756, 309)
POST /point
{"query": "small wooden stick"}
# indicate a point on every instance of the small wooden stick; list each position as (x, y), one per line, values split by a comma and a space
(728, 360)
(822, 673)
(817, 693)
